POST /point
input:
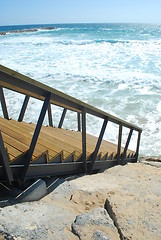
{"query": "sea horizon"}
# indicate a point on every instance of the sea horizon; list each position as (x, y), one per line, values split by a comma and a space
(75, 23)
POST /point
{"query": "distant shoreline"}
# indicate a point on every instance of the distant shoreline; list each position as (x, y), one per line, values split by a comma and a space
(27, 30)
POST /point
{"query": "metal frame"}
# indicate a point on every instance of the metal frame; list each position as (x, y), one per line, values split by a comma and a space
(119, 142)
(23, 109)
(35, 136)
(79, 122)
(50, 116)
(127, 144)
(62, 118)
(94, 155)
(138, 145)
(30, 88)
(84, 140)
(53, 169)
(3, 104)
(17, 82)
(5, 161)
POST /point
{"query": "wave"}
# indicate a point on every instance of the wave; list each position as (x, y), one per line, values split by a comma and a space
(88, 42)
(102, 41)
(68, 42)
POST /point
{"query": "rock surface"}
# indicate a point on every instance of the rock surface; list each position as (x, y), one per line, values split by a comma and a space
(131, 194)
(133, 198)
(95, 224)
(2, 33)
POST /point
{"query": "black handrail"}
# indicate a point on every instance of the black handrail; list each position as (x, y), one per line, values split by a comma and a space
(20, 83)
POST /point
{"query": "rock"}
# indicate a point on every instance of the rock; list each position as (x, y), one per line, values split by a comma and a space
(48, 28)
(50, 218)
(37, 221)
(2, 33)
(153, 161)
(133, 194)
(136, 206)
(95, 225)
(24, 30)
(27, 30)
(99, 235)
(5, 236)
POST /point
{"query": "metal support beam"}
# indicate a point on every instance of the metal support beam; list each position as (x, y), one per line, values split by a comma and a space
(127, 144)
(5, 161)
(23, 109)
(62, 118)
(119, 142)
(94, 155)
(50, 116)
(3, 104)
(79, 122)
(84, 140)
(35, 136)
(138, 145)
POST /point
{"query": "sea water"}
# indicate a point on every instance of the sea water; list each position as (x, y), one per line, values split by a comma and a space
(114, 67)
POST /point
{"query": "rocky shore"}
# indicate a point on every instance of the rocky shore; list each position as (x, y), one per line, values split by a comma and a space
(123, 202)
(27, 30)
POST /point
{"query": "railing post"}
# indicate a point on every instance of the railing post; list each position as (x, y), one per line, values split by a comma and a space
(35, 136)
(79, 122)
(62, 118)
(127, 144)
(84, 140)
(138, 145)
(119, 142)
(50, 116)
(5, 161)
(3, 104)
(23, 109)
(94, 155)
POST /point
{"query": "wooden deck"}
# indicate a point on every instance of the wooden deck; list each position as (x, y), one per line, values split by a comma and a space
(59, 145)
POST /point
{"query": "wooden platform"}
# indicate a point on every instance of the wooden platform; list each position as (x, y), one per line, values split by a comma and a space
(59, 145)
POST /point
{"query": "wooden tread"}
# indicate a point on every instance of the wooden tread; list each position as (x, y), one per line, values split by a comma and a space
(54, 142)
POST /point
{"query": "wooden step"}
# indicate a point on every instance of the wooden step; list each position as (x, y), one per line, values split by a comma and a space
(15, 144)
(106, 146)
(21, 139)
(91, 140)
(58, 141)
(65, 139)
(53, 143)
(74, 139)
(57, 145)
(42, 144)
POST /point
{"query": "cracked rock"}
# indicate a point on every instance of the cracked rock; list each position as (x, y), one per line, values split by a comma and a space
(96, 224)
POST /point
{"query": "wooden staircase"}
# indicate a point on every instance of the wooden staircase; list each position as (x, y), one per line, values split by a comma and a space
(32, 150)
(59, 145)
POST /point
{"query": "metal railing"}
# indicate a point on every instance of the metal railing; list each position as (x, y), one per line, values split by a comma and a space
(30, 88)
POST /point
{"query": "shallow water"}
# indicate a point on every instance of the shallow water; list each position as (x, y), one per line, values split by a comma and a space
(115, 67)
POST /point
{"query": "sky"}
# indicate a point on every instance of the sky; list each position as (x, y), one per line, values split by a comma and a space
(19, 12)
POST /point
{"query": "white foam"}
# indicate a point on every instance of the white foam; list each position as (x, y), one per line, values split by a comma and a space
(159, 107)
(122, 78)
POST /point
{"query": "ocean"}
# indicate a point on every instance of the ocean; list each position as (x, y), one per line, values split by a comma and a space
(114, 67)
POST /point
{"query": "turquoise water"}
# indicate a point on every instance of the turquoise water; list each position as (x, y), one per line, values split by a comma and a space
(115, 67)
